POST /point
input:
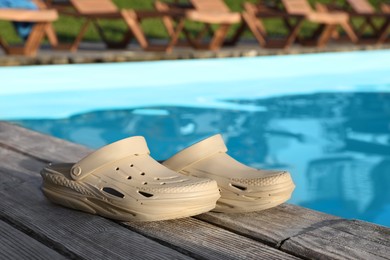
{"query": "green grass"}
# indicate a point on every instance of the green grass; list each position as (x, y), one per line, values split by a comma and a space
(68, 27)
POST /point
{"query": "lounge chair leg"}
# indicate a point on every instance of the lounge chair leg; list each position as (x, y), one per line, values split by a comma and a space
(34, 40)
(317, 33)
(384, 32)
(194, 43)
(4, 45)
(250, 20)
(51, 35)
(131, 20)
(126, 39)
(237, 35)
(251, 9)
(372, 25)
(175, 36)
(257, 27)
(219, 37)
(326, 34)
(254, 24)
(287, 23)
(361, 29)
(80, 36)
(293, 33)
(167, 21)
(350, 32)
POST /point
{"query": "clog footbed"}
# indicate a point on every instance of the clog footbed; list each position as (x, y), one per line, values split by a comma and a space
(121, 181)
(243, 189)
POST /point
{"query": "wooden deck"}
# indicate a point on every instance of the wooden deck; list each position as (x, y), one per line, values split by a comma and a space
(33, 228)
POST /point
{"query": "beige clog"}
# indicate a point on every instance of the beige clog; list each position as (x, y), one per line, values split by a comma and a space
(243, 189)
(121, 181)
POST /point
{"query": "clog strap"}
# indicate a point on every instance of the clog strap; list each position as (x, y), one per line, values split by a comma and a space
(124, 148)
(197, 152)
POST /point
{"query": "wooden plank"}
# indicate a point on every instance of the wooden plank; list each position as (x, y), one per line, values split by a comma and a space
(206, 241)
(343, 239)
(210, 6)
(73, 233)
(271, 226)
(28, 15)
(361, 6)
(193, 237)
(42, 147)
(94, 6)
(14, 244)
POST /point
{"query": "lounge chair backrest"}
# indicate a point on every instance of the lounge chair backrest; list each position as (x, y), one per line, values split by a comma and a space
(361, 6)
(300, 7)
(210, 5)
(94, 6)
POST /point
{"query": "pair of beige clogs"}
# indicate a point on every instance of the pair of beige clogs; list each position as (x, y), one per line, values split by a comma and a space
(121, 181)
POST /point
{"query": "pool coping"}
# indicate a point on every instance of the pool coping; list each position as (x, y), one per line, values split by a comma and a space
(96, 53)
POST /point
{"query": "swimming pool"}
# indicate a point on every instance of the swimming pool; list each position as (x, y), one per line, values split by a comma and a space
(323, 117)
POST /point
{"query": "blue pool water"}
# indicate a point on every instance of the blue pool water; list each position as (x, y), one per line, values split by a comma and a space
(323, 117)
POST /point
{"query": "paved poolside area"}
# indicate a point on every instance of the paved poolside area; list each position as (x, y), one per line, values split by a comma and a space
(97, 53)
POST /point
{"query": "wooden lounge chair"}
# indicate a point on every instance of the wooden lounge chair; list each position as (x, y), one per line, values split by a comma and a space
(300, 11)
(363, 9)
(94, 10)
(207, 12)
(42, 25)
(254, 14)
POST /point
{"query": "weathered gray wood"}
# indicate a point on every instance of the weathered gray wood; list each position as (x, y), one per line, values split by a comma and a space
(206, 240)
(271, 226)
(14, 244)
(342, 239)
(43, 147)
(74, 233)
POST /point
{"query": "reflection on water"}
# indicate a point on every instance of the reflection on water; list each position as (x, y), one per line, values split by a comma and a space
(336, 145)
